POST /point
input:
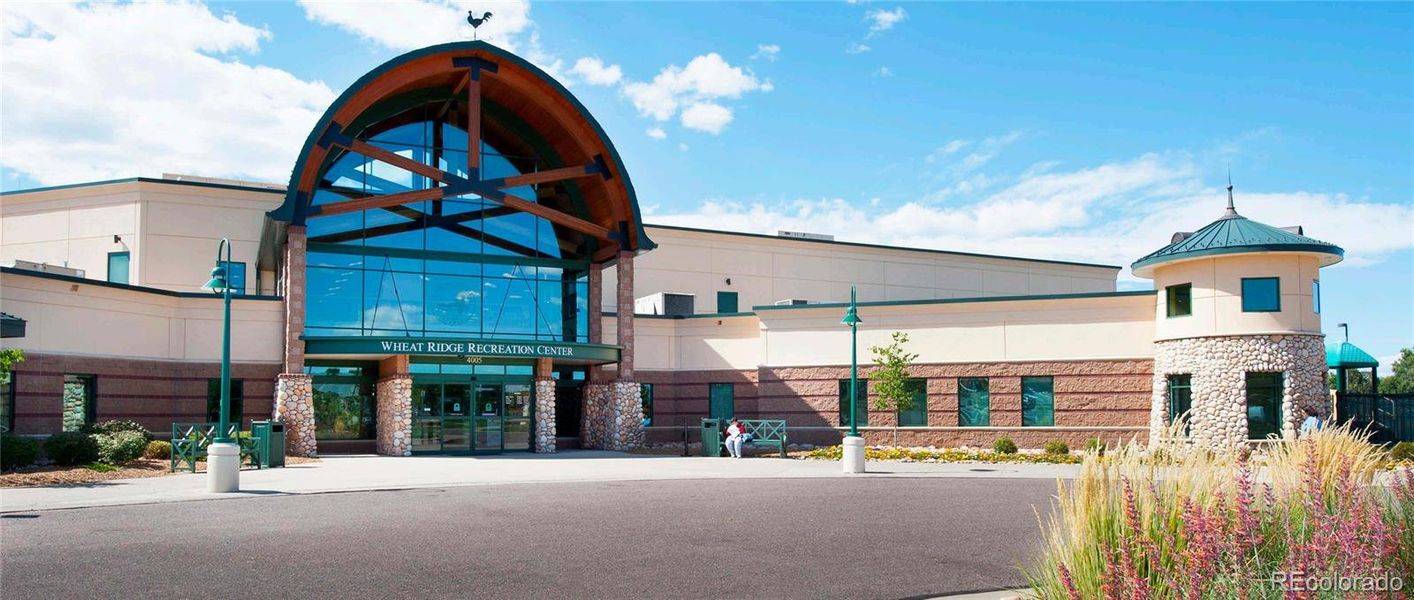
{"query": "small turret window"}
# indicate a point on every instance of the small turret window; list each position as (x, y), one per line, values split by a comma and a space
(1180, 299)
(1261, 294)
(1316, 296)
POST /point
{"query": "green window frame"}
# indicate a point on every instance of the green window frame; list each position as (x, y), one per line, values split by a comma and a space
(917, 414)
(861, 402)
(1264, 393)
(721, 400)
(1038, 402)
(726, 302)
(80, 401)
(1316, 296)
(119, 266)
(7, 403)
(1179, 299)
(213, 400)
(645, 402)
(1180, 388)
(1261, 294)
(974, 399)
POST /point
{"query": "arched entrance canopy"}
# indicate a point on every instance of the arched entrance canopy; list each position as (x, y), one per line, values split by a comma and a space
(501, 100)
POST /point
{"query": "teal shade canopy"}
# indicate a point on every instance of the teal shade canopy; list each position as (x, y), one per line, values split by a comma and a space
(1236, 234)
(217, 282)
(1349, 356)
(851, 317)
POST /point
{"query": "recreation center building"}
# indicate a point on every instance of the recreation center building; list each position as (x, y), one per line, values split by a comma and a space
(458, 265)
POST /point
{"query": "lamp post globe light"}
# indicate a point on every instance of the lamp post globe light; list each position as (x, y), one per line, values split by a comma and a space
(223, 456)
(853, 444)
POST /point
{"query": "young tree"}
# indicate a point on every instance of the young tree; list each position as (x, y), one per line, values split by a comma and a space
(8, 358)
(1402, 381)
(891, 377)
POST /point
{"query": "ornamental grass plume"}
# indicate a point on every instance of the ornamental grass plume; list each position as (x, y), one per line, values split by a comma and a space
(1175, 521)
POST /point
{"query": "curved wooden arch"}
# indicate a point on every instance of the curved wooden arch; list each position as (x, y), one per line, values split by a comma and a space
(478, 73)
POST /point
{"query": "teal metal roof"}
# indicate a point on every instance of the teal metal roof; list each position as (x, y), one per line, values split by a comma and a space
(1348, 356)
(1236, 234)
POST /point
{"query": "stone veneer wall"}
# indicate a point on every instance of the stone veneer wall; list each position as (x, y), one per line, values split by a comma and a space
(544, 415)
(394, 402)
(612, 417)
(1108, 399)
(154, 393)
(294, 404)
(1219, 367)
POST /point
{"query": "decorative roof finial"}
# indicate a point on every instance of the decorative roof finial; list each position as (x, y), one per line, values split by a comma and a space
(475, 22)
(1231, 210)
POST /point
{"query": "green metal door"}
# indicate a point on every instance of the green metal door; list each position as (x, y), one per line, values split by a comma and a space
(721, 401)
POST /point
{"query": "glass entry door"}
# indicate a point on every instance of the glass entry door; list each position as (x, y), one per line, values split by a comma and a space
(466, 414)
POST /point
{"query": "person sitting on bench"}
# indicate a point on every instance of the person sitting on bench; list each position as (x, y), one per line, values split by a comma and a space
(736, 436)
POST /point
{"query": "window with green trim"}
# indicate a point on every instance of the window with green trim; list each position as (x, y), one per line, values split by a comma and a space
(1263, 405)
(1038, 402)
(80, 401)
(1180, 397)
(1261, 294)
(726, 302)
(213, 400)
(917, 413)
(1316, 296)
(861, 402)
(645, 402)
(721, 401)
(118, 267)
(1180, 299)
(974, 398)
(7, 403)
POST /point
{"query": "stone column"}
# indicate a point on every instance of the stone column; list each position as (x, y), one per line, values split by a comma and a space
(595, 313)
(294, 405)
(294, 298)
(544, 415)
(627, 419)
(625, 315)
(595, 416)
(394, 400)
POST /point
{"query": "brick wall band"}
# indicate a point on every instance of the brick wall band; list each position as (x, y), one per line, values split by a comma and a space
(1109, 399)
(153, 393)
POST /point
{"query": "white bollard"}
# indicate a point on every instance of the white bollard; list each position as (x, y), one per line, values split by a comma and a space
(853, 454)
(223, 468)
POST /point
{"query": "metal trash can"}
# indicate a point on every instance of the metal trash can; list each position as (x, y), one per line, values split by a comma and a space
(711, 437)
(269, 437)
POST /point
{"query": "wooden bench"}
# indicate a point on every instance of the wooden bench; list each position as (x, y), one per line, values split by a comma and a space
(763, 432)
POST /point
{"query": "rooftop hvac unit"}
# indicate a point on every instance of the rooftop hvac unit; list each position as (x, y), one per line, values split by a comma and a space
(801, 235)
(791, 302)
(666, 304)
(48, 268)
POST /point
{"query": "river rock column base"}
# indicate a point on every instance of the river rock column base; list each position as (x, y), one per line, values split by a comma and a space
(627, 420)
(545, 416)
(394, 398)
(594, 417)
(294, 405)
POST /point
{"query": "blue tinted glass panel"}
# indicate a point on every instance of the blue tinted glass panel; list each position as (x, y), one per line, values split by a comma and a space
(1261, 294)
(974, 398)
(118, 263)
(1038, 405)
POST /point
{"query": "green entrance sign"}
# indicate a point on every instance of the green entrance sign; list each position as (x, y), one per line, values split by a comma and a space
(462, 347)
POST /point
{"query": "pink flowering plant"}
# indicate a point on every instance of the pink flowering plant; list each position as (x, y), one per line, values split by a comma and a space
(1316, 518)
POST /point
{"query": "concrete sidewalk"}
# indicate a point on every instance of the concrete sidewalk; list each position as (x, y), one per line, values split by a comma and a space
(363, 473)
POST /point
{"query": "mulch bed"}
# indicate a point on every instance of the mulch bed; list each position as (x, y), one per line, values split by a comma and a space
(74, 476)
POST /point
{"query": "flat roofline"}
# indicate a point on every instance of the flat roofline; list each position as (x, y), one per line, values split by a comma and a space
(203, 184)
(884, 247)
(131, 288)
(1031, 298)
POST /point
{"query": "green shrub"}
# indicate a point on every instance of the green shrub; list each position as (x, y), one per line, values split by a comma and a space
(1057, 447)
(116, 426)
(17, 452)
(1004, 445)
(1095, 445)
(71, 448)
(118, 448)
(158, 449)
(1402, 451)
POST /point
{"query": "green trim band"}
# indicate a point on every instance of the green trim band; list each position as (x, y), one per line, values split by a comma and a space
(1191, 254)
(132, 288)
(445, 346)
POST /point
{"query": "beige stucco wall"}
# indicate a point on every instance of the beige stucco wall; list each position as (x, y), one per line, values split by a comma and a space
(171, 230)
(693, 344)
(1217, 296)
(98, 320)
(765, 270)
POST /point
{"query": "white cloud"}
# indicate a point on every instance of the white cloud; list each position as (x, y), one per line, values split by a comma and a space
(766, 52)
(951, 147)
(682, 147)
(706, 116)
(884, 71)
(701, 85)
(98, 91)
(595, 72)
(881, 20)
(657, 133)
(857, 48)
(1112, 213)
(413, 24)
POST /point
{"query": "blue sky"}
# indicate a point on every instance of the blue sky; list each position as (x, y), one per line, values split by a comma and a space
(1073, 131)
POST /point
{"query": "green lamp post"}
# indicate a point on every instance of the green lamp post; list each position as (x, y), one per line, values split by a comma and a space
(223, 463)
(853, 456)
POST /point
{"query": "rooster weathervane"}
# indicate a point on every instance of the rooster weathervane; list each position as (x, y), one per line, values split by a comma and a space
(476, 21)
